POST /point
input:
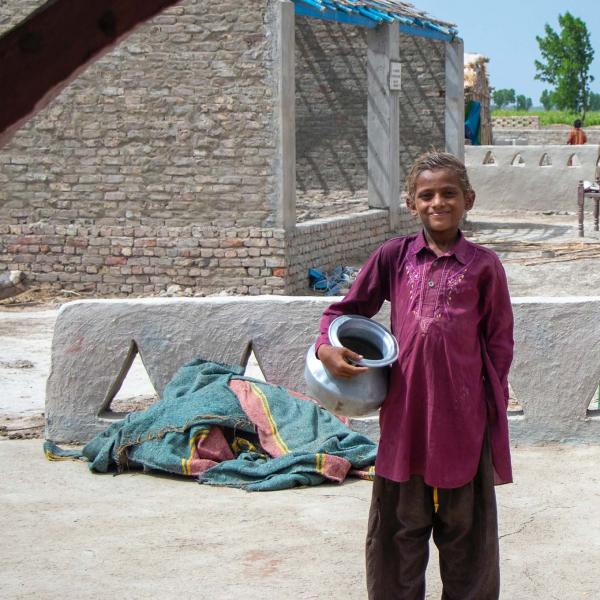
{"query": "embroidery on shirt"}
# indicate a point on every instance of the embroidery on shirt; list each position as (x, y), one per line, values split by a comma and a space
(417, 289)
(455, 281)
(413, 280)
(448, 285)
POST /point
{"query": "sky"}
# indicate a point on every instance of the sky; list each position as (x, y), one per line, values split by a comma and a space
(505, 32)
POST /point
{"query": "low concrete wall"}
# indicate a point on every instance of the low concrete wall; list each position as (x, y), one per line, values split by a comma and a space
(533, 137)
(529, 177)
(555, 372)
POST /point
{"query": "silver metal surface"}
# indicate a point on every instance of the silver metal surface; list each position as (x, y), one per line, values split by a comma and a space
(364, 393)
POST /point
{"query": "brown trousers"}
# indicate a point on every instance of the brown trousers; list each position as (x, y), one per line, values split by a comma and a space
(465, 531)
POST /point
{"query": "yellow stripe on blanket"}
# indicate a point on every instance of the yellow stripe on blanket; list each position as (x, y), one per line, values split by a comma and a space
(265, 404)
(320, 466)
(186, 463)
(55, 457)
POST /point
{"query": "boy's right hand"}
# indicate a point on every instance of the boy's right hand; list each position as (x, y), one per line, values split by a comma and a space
(338, 361)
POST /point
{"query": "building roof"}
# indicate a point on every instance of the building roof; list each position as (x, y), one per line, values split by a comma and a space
(371, 13)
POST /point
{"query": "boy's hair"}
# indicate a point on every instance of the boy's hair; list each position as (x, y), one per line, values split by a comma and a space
(432, 161)
(577, 123)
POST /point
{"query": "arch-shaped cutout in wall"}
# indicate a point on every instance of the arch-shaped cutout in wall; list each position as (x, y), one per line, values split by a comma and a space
(545, 161)
(593, 409)
(517, 160)
(573, 161)
(489, 158)
(120, 399)
(251, 364)
(515, 409)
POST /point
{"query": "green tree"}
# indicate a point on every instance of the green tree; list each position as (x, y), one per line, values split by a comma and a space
(503, 97)
(523, 102)
(547, 100)
(594, 103)
(565, 64)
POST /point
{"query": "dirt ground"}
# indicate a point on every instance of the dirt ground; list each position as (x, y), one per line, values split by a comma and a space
(70, 534)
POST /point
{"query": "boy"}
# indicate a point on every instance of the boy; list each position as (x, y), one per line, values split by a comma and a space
(444, 429)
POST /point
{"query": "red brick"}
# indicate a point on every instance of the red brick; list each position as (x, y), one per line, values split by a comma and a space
(232, 243)
(115, 260)
(145, 242)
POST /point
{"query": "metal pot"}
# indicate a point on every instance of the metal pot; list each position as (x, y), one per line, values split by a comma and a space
(364, 393)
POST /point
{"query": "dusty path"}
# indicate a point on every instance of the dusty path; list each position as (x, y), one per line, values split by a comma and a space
(71, 534)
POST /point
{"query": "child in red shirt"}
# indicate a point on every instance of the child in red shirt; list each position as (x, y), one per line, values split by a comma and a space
(444, 429)
(576, 135)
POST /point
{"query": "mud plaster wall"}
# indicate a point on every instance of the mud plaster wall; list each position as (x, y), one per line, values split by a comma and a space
(331, 105)
(538, 178)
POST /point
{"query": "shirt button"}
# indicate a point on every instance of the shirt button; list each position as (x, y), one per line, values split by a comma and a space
(431, 283)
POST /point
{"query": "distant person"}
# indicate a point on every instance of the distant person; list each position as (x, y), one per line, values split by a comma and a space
(577, 136)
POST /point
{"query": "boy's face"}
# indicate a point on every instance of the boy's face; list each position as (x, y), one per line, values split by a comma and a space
(439, 201)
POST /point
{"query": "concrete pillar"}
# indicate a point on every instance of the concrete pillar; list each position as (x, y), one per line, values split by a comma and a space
(455, 99)
(285, 117)
(383, 125)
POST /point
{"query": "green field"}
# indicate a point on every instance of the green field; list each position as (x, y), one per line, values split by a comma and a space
(551, 117)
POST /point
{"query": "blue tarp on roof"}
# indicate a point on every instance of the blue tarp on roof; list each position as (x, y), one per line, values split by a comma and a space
(371, 13)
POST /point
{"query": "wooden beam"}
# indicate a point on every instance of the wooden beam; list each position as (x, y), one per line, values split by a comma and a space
(41, 55)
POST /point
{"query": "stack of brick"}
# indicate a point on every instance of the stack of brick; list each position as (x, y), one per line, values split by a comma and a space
(146, 260)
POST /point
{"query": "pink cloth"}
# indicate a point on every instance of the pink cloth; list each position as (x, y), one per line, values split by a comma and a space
(453, 321)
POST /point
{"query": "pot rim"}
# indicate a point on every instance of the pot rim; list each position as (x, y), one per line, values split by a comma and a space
(384, 332)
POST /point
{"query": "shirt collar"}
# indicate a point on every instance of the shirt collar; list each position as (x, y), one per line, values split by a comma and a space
(459, 250)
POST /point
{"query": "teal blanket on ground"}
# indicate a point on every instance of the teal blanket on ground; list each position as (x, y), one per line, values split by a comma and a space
(223, 428)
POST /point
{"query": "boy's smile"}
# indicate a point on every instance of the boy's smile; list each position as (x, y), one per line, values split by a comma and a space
(440, 203)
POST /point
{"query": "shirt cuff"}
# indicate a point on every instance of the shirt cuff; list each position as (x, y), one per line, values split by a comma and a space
(322, 339)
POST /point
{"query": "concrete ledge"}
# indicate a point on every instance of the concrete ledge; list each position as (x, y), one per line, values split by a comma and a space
(555, 372)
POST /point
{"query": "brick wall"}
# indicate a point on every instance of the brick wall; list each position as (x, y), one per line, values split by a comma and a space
(327, 243)
(173, 127)
(13, 12)
(422, 99)
(146, 259)
(331, 106)
(155, 166)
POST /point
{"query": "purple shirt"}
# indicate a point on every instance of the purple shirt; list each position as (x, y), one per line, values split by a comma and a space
(453, 321)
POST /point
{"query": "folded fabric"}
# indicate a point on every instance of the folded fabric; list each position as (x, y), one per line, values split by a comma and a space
(223, 428)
